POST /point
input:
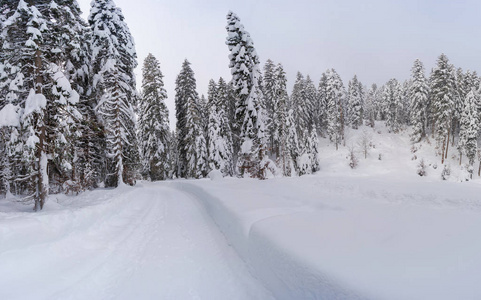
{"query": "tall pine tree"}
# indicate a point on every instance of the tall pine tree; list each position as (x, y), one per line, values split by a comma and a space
(249, 125)
(192, 148)
(114, 61)
(419, 91)
(154, 122)
(443, 93)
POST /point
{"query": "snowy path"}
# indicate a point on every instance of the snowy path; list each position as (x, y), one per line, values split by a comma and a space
(144, 243)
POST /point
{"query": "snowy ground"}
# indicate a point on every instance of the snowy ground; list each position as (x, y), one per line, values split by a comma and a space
(377, 232)
(136, 243)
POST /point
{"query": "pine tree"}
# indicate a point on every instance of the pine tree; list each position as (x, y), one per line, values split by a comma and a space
(314, 151)
(39, 67)
(443, 89)
(320, 108)
(334, 99)
(405, 109)
(154, 122)
(292, 146)
(280, 136)
(418, 93)
(192, 148)
(469, 129)
(249, 115)
(354, 103)
(114, 61)
(370, 105)
(311, 95)
(219, 136)
(270, 97)
(392, 96)
(300, 105)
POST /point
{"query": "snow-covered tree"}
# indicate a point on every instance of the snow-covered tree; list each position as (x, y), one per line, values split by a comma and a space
(219, 136)
(392, 96)
(281, 142)
(443, 93)
(192, 148)
(290, 162)
(320, 107)
(370, 105)
(154, 122)
(354, 102)
(39, 59)
(312, 96)
(114, 61)
(334, 94)
(249, 115)
(469, 129)
(418, 92)
(270, 97)
(299, 105)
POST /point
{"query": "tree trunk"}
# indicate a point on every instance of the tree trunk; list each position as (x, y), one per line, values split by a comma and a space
(442, 154)
(447, 144)
(41, 155)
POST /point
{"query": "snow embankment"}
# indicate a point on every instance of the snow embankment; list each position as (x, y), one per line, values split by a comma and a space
(321, 237)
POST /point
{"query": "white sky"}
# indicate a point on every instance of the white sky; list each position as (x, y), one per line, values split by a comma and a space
(375, 39)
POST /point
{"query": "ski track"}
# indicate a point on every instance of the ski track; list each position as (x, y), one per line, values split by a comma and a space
(151, 243)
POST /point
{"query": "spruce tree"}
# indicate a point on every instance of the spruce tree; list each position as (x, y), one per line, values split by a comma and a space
(249, 115)
(312, 96)
(334, 99)
(443, 93)
(219, 136)
(192, 148)
(418, 93)
(154, 122)
(469, 129)
(282, 146)
(370, 105)
(354, 108)
(270, 98)
(292, 145)
(299, 105)
(40, 47)
(392, 96)
(320, 108)
(114, 61)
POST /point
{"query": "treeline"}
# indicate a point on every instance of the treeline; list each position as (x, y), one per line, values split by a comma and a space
(71, 119)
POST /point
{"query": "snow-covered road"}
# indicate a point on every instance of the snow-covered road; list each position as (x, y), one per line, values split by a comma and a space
(141, 243)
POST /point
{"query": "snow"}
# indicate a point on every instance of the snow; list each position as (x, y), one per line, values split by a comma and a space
(9, 116)
(150, 242)
(34, 103)
(379, 231)
(215, 175)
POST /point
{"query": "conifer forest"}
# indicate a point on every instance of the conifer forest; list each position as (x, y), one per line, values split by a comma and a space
(73, 118)
(247, 150)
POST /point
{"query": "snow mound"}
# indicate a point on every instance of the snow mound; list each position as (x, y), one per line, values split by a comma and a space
(215, 175)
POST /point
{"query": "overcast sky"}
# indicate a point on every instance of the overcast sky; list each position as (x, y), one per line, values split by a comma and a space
(375, 39)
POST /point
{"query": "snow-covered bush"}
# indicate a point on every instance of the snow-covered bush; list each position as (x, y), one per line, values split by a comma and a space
(422, 168)
(446, 172)
(353, 160)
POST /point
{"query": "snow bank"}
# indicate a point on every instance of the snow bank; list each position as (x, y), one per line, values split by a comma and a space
(336, 237)
(215, 175)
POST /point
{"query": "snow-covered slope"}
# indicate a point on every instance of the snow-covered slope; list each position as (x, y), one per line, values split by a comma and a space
(379, 231)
